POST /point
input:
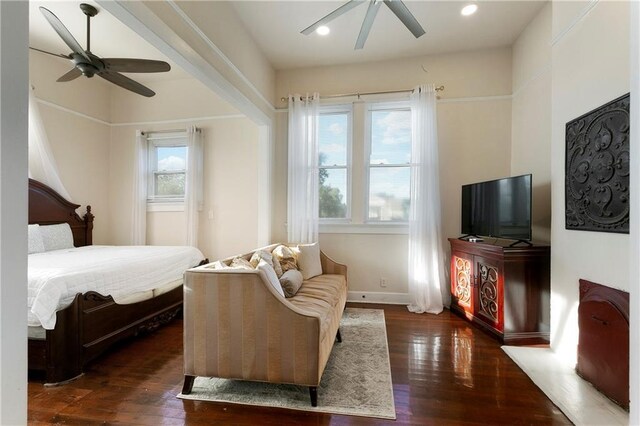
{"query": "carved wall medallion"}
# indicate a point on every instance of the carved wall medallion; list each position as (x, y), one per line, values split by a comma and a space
(597, 169)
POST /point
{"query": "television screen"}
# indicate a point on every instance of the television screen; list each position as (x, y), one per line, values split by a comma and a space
(498, 208)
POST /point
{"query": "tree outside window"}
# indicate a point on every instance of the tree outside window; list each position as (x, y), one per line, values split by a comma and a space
(333, 160)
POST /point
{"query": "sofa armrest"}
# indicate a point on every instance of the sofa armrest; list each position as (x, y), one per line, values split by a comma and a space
(236, 326)
(330, 266)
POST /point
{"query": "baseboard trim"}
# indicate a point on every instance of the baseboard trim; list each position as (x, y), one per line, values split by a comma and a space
(378, 297)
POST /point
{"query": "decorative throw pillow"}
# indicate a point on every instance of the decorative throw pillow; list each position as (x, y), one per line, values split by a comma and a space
(291, 281)
(218, 264)
(241, 263)
(309, 260)
(267, 257)
(36, 245)
(57, 237)
(270, 275)
(285, 257)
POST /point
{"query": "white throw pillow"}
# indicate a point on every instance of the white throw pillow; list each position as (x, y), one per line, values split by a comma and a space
(309, 260)
(56, 237)
(36, 245)
(270, 275)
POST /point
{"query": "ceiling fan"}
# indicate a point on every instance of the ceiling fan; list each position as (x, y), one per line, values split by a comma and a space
(87, 64)
(396, 6)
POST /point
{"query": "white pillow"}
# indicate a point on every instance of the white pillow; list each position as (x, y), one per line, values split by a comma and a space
(271, 276)
(36, 245)
(309, 260)
(57, 237)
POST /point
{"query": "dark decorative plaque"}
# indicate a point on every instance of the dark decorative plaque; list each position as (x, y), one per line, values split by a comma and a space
(597, 169)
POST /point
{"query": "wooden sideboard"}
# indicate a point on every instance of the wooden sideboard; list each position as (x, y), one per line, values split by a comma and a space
(505, 290)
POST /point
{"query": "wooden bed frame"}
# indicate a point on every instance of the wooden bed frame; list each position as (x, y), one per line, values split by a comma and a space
(93, 322)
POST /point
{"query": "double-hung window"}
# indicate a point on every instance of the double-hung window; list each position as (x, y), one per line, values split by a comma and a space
(334, 163)
(167, 166)
(388, 144)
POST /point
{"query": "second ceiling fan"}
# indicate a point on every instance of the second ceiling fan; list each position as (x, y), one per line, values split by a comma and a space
(396, 6)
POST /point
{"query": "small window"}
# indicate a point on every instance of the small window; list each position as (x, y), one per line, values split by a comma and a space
(389, 171)
(167, 167)
(334, 148)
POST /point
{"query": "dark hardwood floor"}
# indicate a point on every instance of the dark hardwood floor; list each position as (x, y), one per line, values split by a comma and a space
(445, 371)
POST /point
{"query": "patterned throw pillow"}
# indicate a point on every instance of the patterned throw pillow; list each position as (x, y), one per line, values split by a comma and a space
(285, 257)
(267, 257)
(241, 263)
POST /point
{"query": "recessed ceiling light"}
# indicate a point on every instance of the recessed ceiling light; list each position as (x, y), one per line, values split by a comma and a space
(323, 30)
(469, 9)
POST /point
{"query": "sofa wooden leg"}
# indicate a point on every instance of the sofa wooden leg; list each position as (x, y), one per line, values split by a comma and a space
(313, 393)
(339, 336)
(188, 384)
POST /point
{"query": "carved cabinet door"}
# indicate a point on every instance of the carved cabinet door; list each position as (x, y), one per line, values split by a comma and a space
(462, 281)
(489, 292)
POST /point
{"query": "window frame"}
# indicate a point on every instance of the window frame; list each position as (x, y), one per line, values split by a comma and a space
(404, 105)
(163, 140)
(329, 110)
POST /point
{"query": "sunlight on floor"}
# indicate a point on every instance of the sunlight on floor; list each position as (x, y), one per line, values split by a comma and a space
(577, 399)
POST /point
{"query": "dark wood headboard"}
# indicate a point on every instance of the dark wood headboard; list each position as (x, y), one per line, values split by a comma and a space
(47, 207)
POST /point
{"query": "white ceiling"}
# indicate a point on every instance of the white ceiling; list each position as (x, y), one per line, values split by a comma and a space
(276, 26)
(110, 38)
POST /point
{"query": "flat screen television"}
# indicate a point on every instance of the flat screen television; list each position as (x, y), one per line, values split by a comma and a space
(498, 208)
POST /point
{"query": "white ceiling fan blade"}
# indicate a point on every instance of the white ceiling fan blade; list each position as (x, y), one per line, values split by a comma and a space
(367, 24)
(333, 15)
(403, 13)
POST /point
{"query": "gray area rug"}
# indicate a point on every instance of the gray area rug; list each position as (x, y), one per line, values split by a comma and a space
(356, 380)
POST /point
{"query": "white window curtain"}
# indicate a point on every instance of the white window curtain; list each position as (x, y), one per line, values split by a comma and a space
(426, 255)
(42, 164)
(193, 184)
(139, 211)
(302, 190)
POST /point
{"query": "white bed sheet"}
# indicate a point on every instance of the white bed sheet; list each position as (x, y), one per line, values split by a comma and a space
(55, 277)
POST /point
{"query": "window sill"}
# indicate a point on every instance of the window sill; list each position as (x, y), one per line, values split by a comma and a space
(364, 228)
(165, 207)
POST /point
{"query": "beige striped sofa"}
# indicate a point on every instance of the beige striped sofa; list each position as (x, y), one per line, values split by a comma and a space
(237, 326)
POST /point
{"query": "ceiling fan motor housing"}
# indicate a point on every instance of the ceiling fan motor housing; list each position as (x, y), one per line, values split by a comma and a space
(88, 69)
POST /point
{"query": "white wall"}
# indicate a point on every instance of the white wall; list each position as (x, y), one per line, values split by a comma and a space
(91, 127)
(76, 117)
(14, 70)
(474, 127)
(634, 220)
(531, 117)
(229, 220)
(590, 58)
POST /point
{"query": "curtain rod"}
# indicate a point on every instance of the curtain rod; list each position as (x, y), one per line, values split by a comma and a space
(358, 94)
(184, 129)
